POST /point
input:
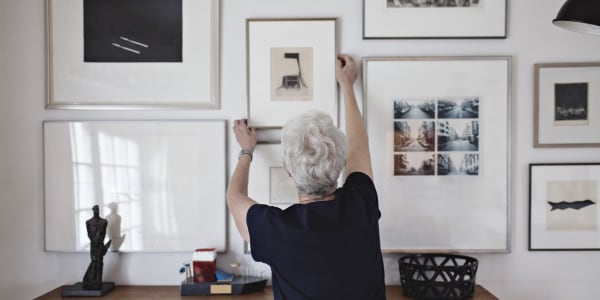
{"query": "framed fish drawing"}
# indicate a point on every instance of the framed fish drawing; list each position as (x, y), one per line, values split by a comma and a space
(563, 206)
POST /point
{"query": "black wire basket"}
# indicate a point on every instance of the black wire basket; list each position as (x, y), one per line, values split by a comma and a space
(438, 276)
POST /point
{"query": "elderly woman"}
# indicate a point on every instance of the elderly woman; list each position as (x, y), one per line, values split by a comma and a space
(326, 246)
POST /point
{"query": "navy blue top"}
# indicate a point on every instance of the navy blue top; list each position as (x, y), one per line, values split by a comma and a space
(322, 250)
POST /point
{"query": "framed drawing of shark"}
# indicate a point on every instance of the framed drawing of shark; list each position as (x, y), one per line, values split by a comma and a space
(563, 206)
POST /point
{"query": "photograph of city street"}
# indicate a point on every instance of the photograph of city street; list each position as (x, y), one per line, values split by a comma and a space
(467, 108)
(458, 135)
(414, 109)
(436, 137)
(416, 163)
(414, 135)
(458, 163)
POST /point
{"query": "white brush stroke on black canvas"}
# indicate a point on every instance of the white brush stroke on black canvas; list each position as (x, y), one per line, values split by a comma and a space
(132, 30)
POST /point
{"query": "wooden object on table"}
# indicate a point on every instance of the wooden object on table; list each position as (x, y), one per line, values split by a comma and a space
(172, 292)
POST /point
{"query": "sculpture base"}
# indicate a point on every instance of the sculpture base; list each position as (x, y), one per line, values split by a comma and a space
(77, 290)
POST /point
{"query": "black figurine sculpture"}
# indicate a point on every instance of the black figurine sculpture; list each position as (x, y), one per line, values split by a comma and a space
(96, 229)
(92, 284)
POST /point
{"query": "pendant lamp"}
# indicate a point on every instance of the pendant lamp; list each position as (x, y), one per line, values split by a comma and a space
(580, 16)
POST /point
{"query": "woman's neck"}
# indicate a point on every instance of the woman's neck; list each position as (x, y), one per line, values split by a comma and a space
(306, 199)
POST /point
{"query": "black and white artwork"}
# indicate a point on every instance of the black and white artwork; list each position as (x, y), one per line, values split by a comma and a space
(132, 30)
(466, 108)
(414, 109)
(415, 163)
(458, 135)
(571, 103)
(458, 163)
(292, 74)
(414, 135)
(446, 128)
(432, 3)
(571, 205)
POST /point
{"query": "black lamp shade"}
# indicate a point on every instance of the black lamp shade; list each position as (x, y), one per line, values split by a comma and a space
(579, 15)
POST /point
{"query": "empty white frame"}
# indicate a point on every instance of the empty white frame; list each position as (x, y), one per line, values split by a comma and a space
(269, 183)
(566, 113)
(291, 69)
(166, 179)
(441, 213)
(391, 19)
(192, 82)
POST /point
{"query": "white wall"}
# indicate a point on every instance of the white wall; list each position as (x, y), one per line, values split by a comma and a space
(26, 271)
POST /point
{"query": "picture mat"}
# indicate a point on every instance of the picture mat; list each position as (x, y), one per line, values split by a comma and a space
(488, 19)
(282, 189)
(539, 237)
(181, 203)
(191, 83)
(262, 35)
(266, 157)
(434, 212)
(548, 133)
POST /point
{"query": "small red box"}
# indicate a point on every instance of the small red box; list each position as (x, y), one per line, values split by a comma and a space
(204, 263)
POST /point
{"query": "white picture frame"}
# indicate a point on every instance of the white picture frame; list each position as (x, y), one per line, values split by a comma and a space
(382, 19)
(563, 206)
(312, 40)
(266, 158)
(581, 81)
(436, 212)
(191, 83)
(159, 176)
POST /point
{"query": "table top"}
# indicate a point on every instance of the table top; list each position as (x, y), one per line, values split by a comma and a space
(125, 292)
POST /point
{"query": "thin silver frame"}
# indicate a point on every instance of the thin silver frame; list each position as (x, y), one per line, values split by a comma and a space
(509, 128)
(215, 72)
(336, 43)
(537, 103)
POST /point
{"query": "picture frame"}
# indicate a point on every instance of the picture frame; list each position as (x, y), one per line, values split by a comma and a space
(417, 19)
(563, 206)
(290, 73)
(150, 175)
(117, 56)
(268, 181)
(434, 198)
(565, 114)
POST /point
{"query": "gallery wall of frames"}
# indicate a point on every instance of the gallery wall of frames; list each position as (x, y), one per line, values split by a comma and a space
(439, 126)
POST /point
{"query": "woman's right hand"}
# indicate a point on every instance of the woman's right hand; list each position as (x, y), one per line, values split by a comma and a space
(346, 70)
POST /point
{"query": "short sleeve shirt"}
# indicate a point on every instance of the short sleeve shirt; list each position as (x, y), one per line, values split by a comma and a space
(325, 249)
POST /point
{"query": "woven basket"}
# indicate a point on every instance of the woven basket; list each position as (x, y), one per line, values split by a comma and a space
(438, 276)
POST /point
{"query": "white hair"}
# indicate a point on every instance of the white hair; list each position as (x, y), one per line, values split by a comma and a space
(314, 152)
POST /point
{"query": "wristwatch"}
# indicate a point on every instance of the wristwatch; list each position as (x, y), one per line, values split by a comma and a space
(244, 151)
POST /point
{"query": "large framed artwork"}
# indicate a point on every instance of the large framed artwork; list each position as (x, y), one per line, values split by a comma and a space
(563, 206)
(133, 54)
(291, 69)
(566, 114)
(439, 136)
(158, 185)
(414, 19)
(269, 182)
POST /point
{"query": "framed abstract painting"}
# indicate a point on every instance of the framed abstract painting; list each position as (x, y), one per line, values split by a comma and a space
(133, 54)
(563, 206)
(566, 114)
(291, 69)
